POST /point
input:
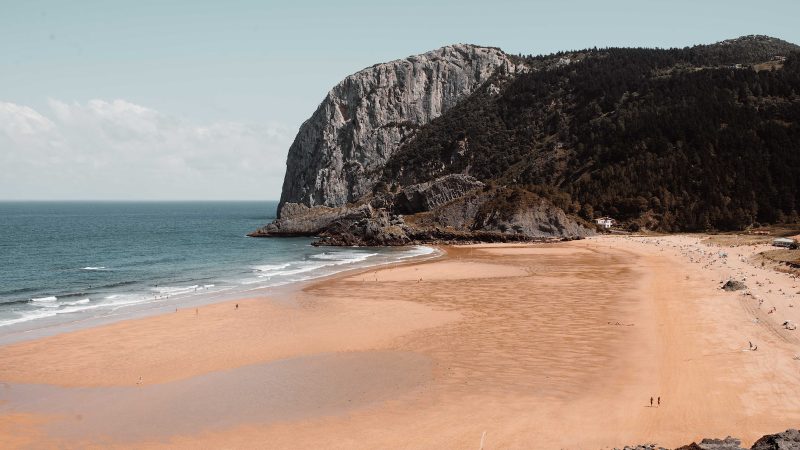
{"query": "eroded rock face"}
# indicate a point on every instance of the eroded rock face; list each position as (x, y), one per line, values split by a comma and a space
(337, 155)
(454, 208)
(301, 220)
(729, 443)
(426, 196)
(788, 440)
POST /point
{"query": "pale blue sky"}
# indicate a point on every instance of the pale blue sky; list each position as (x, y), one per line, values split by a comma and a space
(253, 71)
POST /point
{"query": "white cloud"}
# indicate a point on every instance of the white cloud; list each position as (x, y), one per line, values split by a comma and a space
(21, 122)
(118, 149)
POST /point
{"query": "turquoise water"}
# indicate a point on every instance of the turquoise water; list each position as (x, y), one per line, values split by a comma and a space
(65, 261)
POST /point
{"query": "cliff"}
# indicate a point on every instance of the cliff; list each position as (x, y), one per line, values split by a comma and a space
(468, 143)
(687, 139)
(338, 154)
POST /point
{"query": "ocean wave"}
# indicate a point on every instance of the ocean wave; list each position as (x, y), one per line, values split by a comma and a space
(326, 259)
(419, 250)
(77, 302)
(294, 271)
(15, 302)
(343, 256)
(28, 316)
(271, 267)
(21, 290)
(75, 309)
(180, 290)
(100, 268)
(276, 273)
(72, 294)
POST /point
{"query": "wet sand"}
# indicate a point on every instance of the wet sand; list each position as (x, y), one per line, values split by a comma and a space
(556, 346)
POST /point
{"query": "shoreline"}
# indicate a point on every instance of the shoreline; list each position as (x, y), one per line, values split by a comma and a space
(559, 344)
(18, 333)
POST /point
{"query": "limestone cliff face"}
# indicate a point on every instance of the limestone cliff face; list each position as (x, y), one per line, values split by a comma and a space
(338, 153)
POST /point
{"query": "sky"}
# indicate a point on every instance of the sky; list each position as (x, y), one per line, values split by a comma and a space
(198, 100)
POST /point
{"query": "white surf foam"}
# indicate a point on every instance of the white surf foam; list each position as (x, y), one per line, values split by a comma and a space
(176, 290)
(74, 309)
(50, 299)
(419, 250)
(28, 316)
(94, 268)
(271, 267)
(303, 268)
(344, 257)
(77, 302)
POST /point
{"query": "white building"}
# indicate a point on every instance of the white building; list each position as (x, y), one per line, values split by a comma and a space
(605, 222)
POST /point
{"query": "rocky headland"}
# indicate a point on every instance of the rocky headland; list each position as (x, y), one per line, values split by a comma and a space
(333, 187)
(451, 209)
(468, 143)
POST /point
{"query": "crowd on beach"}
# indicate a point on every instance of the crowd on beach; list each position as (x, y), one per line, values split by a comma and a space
(771, 294)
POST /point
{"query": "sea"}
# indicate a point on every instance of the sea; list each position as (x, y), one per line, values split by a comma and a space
(72, 263)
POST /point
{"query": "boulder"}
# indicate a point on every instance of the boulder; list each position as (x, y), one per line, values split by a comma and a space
(787, 440)
(729, 443)
(734, 285)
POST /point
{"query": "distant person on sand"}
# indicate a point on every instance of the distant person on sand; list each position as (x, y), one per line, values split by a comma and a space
(659, 400)
(651, 402)
(237, 306)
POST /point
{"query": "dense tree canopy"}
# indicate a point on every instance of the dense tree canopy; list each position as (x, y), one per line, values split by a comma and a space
(699, 138)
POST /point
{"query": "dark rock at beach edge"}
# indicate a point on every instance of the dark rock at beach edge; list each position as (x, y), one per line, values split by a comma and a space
(787, 440)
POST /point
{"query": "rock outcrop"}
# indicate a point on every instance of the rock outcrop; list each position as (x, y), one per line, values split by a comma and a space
(333, 187)
(787, 440)
(733, 285)
(426, 196)
(301, 220)
(454, 208)
(337, 155)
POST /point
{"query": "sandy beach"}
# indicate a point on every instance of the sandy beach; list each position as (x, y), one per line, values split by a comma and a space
(507, 346)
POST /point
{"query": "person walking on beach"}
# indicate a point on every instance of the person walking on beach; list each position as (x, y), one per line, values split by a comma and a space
(237, 306)
(651, 402)
(659, 401)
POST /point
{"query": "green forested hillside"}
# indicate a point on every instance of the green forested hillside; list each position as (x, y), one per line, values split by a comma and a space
(706, 137)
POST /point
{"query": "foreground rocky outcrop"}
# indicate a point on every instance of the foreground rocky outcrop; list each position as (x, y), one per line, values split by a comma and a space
(787, 440)
(454, 208)
(337, 155)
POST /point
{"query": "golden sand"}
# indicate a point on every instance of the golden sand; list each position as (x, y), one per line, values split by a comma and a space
(556, 346)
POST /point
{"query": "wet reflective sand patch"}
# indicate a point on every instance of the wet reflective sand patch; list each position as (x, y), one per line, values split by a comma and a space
(441, 270)
(288, 389)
